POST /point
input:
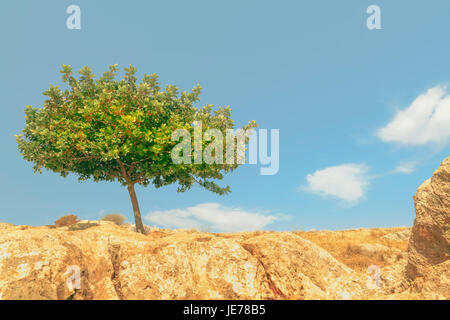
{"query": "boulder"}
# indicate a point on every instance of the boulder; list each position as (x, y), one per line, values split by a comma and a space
(429, 244)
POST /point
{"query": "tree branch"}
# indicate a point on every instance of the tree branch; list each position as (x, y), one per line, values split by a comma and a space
(124, 172)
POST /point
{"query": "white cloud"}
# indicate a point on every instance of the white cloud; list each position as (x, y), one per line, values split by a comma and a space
(347, 182)
(425, 121)
(405, 167)
(213, 217)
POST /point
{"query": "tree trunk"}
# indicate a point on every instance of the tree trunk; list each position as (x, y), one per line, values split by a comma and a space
(137, 212)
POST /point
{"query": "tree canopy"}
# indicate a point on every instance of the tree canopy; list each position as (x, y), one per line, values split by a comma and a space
(121, 130)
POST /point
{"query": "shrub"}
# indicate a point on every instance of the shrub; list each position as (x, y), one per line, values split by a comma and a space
(117, 218)
(66, 220)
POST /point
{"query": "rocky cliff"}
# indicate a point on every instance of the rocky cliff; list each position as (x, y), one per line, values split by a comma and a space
(100, 260)
(113, 262)
(429, 244)
(430, 241)
(117, 263)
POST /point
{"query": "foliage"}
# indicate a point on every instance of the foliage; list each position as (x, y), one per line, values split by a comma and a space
(66, 220)
(112, 130)
(120, 130)
(117, 218)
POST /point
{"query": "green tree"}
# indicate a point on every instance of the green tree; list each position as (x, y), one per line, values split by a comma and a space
(120, 130)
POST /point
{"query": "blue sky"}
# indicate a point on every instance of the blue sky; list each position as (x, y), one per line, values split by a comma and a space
(311, 69)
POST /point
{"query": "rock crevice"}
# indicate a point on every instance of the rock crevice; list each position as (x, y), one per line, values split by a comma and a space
(114, 254)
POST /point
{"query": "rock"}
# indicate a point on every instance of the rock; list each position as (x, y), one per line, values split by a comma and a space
(399, 235)
(370, 250)
(5, 225)
(429, 244)
(147, 229)
(392, 277)
(115, 263)
(379, 251)
(435, 284)
(298, 269)
(34, 263)
(190, 266)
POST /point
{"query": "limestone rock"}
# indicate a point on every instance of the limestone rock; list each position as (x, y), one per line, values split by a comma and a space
(298, 269)
(435, 284)
(429, 244)
(399, 235)
(5, 225)
(116, 263)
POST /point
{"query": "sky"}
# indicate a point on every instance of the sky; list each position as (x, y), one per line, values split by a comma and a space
(363, 114)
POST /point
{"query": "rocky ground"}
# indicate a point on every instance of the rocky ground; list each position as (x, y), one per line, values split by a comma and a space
(114, 262)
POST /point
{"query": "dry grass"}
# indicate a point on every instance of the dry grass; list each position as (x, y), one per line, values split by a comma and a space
(344, 245)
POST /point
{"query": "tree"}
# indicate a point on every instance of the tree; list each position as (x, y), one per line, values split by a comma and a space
(110, 130)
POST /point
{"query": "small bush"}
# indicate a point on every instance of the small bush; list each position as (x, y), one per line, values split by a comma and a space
(117, 218)
(66, 220)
